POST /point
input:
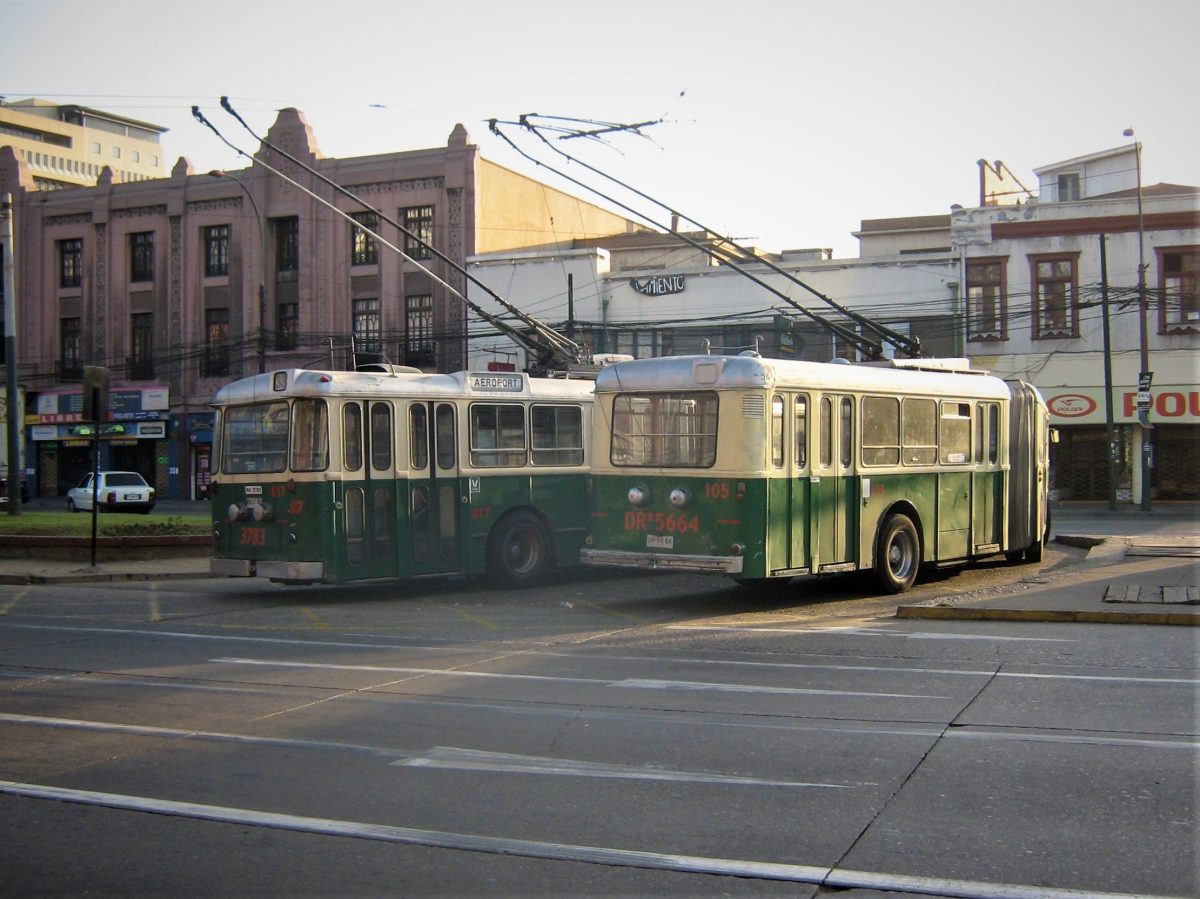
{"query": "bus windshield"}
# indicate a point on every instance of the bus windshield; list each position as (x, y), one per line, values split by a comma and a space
(254, 439)
(665, 430)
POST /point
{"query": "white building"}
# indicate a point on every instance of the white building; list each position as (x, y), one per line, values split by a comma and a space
(1031, 308)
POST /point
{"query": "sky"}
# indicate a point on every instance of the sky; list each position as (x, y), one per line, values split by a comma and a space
(783, 124)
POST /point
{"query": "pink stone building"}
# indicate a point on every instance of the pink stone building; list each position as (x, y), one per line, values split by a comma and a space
(182, 284)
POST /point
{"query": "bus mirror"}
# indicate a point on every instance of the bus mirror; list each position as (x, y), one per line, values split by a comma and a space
(1054, 435)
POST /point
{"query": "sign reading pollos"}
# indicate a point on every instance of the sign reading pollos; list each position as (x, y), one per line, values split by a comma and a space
(1071, 405)
(658, 287)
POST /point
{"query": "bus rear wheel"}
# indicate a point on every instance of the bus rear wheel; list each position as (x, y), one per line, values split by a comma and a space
(518, 551)
(898, 555)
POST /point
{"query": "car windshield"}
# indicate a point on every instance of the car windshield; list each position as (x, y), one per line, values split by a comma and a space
(125, 479)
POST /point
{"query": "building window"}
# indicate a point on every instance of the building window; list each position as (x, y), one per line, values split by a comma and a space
(1055, 300)
(154, 160)
(1179, 288)
(141, 256)
(362, 244)
(287, 244)
(986, 300)
(95, 146)
(215, 363)
(367, 328)
(135, 156)
(288, 334)
(70, 262)
(418, 221)
(141, 362)
(418, 331)
(1068, 187)
(70, 365)
(116, 152)
(216, 251)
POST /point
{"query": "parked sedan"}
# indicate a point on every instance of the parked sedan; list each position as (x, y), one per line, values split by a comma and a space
(118, 491)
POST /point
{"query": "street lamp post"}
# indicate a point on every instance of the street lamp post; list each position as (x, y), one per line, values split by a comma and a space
(262, 277)
(1145, 376)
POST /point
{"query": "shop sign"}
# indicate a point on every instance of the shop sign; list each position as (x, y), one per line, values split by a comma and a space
(156, 429)
(43, 432)
(1169, 404)
(659, 286)
(124, 404)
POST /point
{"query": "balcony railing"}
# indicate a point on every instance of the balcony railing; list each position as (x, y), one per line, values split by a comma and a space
(68, 371)
(139, 369)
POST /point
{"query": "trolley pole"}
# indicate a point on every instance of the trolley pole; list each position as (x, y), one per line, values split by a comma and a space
(15, 413)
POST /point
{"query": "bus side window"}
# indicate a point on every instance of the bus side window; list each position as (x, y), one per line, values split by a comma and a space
(777, 431)
(381, 436)
(993, 432)
(497, 435)
(557, 435)
(801, 423)
(880, 430)
(418, 436)
(351, 437)
(954, 433)
(847, 433)
(826, 425)
(918, 431)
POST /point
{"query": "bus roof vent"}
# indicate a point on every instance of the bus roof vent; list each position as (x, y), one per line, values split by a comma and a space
(753, 405)
(707, 371)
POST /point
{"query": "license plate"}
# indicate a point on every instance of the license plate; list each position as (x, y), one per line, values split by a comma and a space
(656, 542)
(133, 496)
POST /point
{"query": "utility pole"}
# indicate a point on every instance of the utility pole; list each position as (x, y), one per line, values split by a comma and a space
(1108, 386)
(570, 306)
(1145, 377)
(15, 414)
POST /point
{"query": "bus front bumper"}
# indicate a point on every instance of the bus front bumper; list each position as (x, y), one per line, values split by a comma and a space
(276, 570)
(718, 564)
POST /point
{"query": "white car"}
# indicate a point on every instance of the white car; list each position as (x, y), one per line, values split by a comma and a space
(118, 491)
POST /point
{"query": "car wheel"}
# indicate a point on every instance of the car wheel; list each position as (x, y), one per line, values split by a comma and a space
(897, 555)
(71, 507)
(519, 551)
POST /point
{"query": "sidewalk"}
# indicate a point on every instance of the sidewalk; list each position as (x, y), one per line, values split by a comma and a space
(54, 571)
(1151, 579)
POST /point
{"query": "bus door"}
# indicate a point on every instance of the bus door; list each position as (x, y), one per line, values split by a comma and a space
(833, 511)
(368, 497)
(799, 554)
(987, 481)
(433, 488)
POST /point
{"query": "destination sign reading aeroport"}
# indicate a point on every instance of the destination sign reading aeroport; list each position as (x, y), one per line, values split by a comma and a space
(496, 383)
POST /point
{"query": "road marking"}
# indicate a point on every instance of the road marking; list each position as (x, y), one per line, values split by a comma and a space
(155, 614)
(637, 683)
(8, 606)
(1083, 740)
(312, 616)
(454, 758)
(474, 619)
(624, 858)
(864, 632)
(596, 608)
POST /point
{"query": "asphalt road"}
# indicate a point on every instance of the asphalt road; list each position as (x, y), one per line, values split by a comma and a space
(634, 736)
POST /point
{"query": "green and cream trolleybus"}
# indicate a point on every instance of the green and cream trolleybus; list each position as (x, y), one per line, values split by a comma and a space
(326, 476)
(763, 468)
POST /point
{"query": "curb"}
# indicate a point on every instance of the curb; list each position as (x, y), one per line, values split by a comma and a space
(41, 540)
(26, 579)
(1185, 619)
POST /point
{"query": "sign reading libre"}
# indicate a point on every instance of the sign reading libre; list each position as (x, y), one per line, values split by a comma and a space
(658, 287)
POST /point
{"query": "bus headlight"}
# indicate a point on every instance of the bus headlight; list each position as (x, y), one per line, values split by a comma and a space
(237, 511)
(679, 498)
(262, 512)
(639, 496)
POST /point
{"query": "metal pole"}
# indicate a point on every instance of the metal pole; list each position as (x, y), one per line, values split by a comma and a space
(15, 414)
(1144, 339)
(1108, 401)
(570, 306)
(95, 471)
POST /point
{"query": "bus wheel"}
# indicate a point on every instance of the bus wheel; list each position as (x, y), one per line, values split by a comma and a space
(898, 555)
(519, 550)
(1015, 556)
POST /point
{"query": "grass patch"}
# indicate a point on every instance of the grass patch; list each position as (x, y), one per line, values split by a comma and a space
(111, 524)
